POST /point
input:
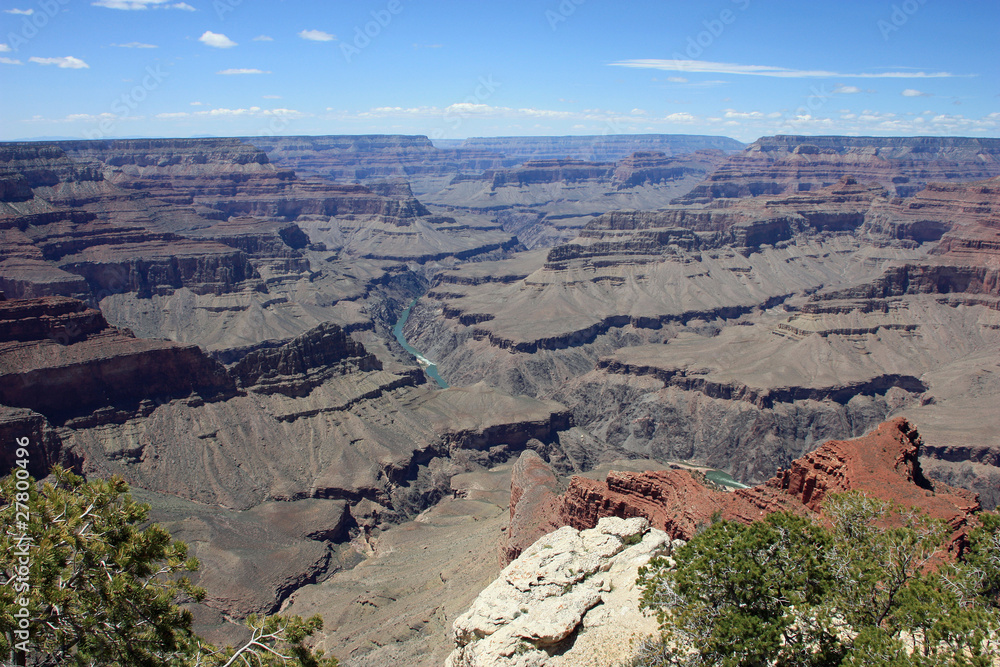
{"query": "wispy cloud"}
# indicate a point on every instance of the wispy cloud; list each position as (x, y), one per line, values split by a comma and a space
(66, 62)
(143, 4)
(263, 38)
(136, 45)
(222, 112)
(4, 48)
(216, 39)
(22, 12)
(243, 71)
(847, 90)
(706, 67)
(10, 61)
(913, 92)
(317, 36)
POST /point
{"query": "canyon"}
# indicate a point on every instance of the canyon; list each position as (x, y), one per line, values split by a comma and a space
(212, 319)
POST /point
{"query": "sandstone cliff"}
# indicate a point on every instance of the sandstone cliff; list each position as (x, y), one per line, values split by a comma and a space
(883, 464)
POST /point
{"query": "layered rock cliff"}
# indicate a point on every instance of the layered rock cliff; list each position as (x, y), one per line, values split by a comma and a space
(903, 165)
(883, 464)
(62, 360)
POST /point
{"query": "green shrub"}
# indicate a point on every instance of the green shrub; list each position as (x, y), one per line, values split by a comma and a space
(790, 591)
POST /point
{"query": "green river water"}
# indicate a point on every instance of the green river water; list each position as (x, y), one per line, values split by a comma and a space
(429, 367)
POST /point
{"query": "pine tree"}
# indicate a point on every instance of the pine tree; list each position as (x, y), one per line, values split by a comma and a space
(88, 581)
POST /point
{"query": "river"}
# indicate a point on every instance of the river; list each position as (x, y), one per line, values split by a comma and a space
(429, 366)
(724, 479)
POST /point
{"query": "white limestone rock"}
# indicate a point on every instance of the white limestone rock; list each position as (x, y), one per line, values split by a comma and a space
(565, 581)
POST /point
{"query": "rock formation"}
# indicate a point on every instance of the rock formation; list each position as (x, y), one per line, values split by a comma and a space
(620, 323)
(266, 468)
(883, 464)
(569, 599)
(534, 498)
(62, 360)
(547, 202)
(904, 165)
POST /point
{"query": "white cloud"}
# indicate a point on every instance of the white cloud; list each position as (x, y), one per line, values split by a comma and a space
(706, 67)
(10, 61)
(217, 40)
(222, 112)
(746, 115)
(196, 104)
(136, 45)
(66, 62)
(142, 4)
(22, 12)
(676, 79)
(912, 92)
(680, 117)
(317, 36)
(847, 90)
(243, 71)
(263, 38)
(4, 48)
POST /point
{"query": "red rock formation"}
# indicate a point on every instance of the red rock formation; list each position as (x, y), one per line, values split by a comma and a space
(533, 501)
(882, 464)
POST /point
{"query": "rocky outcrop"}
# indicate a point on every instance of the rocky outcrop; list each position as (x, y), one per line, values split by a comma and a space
(43, 445)
(883, 464)
(534, 493)
(479, 417)
(547, 171)
(564, 601)
(647, 167)
(61, 359)
(903, 165)
(303, 363)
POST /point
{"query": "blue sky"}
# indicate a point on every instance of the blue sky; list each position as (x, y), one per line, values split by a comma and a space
(453, 69)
